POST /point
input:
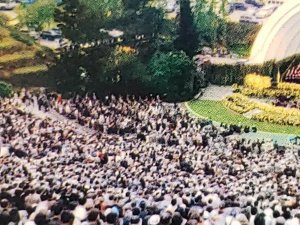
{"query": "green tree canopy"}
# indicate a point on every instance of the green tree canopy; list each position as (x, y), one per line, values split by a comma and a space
(172, 74)
(39, 14)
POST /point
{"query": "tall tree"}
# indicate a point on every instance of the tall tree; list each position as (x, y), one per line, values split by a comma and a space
(187, 39)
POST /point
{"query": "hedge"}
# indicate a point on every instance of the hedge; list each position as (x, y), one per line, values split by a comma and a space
(230, 74)
(5, 89)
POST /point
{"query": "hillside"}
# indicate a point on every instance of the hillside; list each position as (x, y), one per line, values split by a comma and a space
(21, 59)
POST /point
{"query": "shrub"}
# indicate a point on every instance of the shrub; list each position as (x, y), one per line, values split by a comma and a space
(289, 86)
(258, 82)
(5, 89)
(22, 37)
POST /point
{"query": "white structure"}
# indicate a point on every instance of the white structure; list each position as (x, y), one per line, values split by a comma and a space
(280, 35)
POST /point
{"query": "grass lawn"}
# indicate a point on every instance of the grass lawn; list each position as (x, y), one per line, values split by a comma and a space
(216, 111)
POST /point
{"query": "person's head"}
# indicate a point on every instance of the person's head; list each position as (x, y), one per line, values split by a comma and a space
(4, 203)
(93, 215)
(174, 201)
(253, 211)
(40, 219)
(177, 219)
(165, 219)
(111, 218)
(82, 201)
(259, 219)
(66, 217)
(56, 209)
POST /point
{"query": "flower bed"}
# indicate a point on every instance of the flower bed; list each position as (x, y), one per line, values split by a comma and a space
(273, 114)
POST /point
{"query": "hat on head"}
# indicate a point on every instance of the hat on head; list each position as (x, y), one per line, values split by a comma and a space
(154, 220)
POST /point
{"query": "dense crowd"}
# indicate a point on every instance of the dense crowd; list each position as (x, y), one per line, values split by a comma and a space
(145, 163)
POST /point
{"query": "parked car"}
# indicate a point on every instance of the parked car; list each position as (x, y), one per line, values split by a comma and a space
(237, 6)
(255, 3)
(46, 35)
(51, 34)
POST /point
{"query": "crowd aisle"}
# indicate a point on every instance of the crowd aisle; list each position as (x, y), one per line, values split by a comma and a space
(136, 161)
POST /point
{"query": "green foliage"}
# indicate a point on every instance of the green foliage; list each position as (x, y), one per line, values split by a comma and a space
(22, 37)
(172, 75)
(215, 31)
(244, 33)
(187, 36)
(5, 89)
(39, 14)
(207, 22)
(82, 20)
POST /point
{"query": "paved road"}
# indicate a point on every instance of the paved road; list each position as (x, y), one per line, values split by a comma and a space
(53, 115)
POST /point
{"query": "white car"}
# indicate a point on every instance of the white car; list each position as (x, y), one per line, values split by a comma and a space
(7, 5)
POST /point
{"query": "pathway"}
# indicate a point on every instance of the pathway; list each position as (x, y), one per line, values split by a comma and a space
(55, 116)
(216, 93)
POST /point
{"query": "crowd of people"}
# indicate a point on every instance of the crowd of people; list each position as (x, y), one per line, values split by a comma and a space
(144, 163)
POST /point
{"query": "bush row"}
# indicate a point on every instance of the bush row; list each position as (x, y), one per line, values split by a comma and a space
(277, 118)
(239, 104)
(270, 92)
(230, 74)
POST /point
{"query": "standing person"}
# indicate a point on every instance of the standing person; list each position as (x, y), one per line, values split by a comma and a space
(59, 99)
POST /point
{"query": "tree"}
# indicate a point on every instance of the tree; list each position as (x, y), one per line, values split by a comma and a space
(92, 63)
(82, 20)
(187, 39)
(39, 14)
(144, 26)
(207, 22)
(172, 74)
(128, 73)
